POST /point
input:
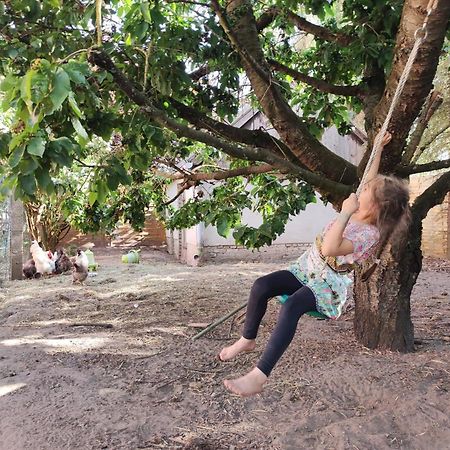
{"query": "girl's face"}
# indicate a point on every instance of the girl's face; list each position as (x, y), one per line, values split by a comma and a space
(366, 203)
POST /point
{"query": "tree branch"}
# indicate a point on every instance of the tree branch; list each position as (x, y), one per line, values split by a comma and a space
(324, 86)
(302, 24)
(433, 102)
(432, 196)
(256, 138)
(221, 174)
(183, 187)
(421, 168)
(183, 173)
(200, 72)
(318, 31)
(291, 129)
(429, 141)
(267, 17)
(259, 68)
(90, 166)
(102, 60)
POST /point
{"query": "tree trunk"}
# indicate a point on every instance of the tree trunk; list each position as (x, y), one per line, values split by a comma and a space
(46, 225)
(382, 304)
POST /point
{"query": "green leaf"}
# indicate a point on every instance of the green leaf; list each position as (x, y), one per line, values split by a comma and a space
(28, 166)
(102, 191)
(77, 72)
(140, 30)
(239, 233)
(16, 140)
(157, 17)
(6, 186)
(80, 130)
(92, 198)
(5, 139)
(44, 180)
(122, 173)
(27, 183)
(59, 150)
(61, 88)
(112, 181)
(8, 83)
(36, 146)
(39, 87)
(223, 226)
(146, 12)
(25, 88)
(74, 106)
(64, 143)
(16, 156)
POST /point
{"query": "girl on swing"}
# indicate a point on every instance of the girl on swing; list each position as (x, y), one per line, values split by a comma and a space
(311, 284)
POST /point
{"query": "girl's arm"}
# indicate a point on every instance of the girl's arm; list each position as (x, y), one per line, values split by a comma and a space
(373, 171)
(334, 244)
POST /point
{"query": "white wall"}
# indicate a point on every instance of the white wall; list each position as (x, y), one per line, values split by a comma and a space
(302, 228)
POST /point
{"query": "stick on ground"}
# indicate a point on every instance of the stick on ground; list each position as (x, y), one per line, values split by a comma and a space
(219, 321)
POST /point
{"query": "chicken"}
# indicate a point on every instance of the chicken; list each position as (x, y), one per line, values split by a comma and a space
(44, 265)
(53, 257)
(80, 267)
(63, 262)
(29, 269)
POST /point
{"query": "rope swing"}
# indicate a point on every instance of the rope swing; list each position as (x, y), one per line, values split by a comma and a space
(420, 36)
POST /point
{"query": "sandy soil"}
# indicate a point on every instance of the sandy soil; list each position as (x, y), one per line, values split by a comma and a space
(110, 365)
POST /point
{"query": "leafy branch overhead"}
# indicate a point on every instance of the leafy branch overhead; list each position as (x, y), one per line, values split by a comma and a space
(167, 82)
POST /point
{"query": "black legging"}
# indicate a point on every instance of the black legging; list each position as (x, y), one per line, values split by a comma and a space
(300, 300)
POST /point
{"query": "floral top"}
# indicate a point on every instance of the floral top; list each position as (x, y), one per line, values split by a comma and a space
(330, 287)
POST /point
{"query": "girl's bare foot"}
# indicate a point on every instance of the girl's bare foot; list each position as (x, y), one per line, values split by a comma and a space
(241, 345)
(248, 385)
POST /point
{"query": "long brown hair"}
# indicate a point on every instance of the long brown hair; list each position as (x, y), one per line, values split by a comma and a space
(390, 213)
(390, 196)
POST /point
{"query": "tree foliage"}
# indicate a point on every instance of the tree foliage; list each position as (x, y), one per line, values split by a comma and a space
(169, 78)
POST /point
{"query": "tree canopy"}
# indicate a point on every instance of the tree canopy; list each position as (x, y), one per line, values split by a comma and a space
(162, 82)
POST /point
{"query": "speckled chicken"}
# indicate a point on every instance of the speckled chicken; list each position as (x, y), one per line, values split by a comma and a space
(80, 267)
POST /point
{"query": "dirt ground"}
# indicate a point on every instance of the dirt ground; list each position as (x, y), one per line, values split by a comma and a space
(111, 365)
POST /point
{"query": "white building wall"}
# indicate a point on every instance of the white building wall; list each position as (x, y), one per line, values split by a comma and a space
(302, 228)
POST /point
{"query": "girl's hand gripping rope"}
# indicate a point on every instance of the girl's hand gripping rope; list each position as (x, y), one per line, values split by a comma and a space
(350, 205)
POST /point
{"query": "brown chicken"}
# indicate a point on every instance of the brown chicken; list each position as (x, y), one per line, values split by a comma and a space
(63, 262)
(29, 269)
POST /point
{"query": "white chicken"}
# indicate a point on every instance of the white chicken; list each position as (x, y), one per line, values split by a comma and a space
(44, 264)
(53, 257)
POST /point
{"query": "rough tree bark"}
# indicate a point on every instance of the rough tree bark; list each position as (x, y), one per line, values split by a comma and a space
(382, 312)
(382, 304)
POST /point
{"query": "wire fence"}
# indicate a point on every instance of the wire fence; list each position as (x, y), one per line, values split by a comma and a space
(5, 236)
